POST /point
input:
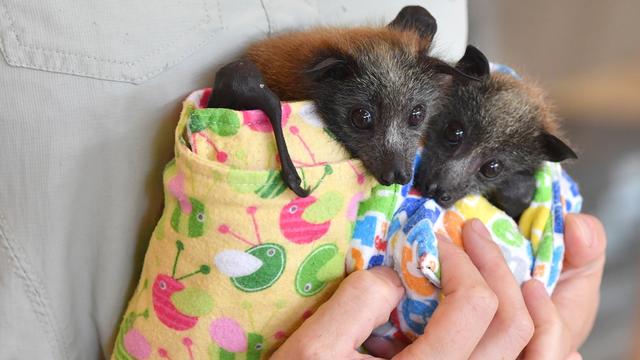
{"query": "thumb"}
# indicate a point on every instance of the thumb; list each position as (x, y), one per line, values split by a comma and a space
(362, 302)
(585, 240)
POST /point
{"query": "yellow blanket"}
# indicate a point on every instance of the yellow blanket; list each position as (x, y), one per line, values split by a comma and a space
(236, 263)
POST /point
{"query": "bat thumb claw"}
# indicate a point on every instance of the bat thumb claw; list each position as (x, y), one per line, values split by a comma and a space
(296, 188)
(293, 181)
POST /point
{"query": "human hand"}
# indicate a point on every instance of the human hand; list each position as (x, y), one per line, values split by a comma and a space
(561, 322)
(473, 291)
(509, 327)
(365, 298)
(564, 320)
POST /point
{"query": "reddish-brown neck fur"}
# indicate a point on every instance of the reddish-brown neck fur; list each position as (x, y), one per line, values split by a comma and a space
(284, 58)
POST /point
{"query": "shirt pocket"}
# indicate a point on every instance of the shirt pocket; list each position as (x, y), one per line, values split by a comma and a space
(128, 41)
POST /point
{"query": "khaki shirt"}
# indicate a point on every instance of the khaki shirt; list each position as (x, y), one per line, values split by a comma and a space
(89, 94)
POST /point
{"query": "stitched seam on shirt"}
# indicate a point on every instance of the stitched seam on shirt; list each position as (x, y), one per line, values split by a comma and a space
(98, 75)
(35, 292)
(207, 18)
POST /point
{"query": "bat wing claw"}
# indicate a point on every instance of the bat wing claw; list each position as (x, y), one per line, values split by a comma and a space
(239, 85)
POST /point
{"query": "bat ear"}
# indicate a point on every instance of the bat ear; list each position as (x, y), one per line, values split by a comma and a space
(442, 67)
(556, 150)
(331, 67)
(474, 63)
(418, 19)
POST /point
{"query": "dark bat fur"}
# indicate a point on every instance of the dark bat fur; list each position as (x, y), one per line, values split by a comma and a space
(503, 119)
(384, 70)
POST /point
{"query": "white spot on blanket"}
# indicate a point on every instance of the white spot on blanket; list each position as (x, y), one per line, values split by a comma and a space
(234, 263)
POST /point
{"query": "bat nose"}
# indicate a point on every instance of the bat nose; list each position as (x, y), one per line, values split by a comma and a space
(431, 190)
(444, 198)
(395, 177)
(387, 178)
(402, 177)
(441, 196)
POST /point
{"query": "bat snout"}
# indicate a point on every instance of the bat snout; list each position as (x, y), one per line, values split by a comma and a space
(394, 175)
(436, 192)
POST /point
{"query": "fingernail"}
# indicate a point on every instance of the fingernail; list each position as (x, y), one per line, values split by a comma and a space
(443, 237)
(478, 227)
(388, 274)
(585, 229)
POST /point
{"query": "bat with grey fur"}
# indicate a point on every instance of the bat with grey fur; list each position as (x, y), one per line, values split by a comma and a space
(374, 88)
(489, 139)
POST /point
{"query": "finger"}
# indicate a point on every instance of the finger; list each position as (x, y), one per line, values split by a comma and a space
(585, 241)
(511, 328)
(550, 337)
(574, 356)
(462, 317)
(578, 291)
(362, 302)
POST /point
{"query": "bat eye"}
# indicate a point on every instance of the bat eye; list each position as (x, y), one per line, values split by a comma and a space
(491, 168)
(362, 119)
(454, 133)
(293, 209)
(417, 115)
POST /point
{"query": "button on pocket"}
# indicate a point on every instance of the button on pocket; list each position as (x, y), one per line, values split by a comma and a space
(128, 41)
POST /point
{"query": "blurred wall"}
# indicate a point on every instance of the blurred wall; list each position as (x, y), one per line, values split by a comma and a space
(553, 39)
(587, 55)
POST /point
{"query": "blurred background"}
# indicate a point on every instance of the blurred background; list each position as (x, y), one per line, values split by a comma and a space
(587, 54)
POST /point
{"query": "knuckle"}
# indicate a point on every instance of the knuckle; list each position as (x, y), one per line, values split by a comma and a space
(492, 258)
(483, 298)
(309, 352)
(361, 280)
(555, 325)
(295, 348)
(366, 282)
(520, 328)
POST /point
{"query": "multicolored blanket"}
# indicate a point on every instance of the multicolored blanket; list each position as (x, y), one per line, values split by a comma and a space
(237, 261)
(405, 239)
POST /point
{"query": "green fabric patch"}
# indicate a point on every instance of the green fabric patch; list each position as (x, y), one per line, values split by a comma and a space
(273, 259)
(332, 270)
(544, 252)
(382, 200)
(224, 122)
(543, 188)
(272, 187)
(324, 209)
(196, 221)
(507, 233)
(255, 346)
(307, 280)
(192, 302)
